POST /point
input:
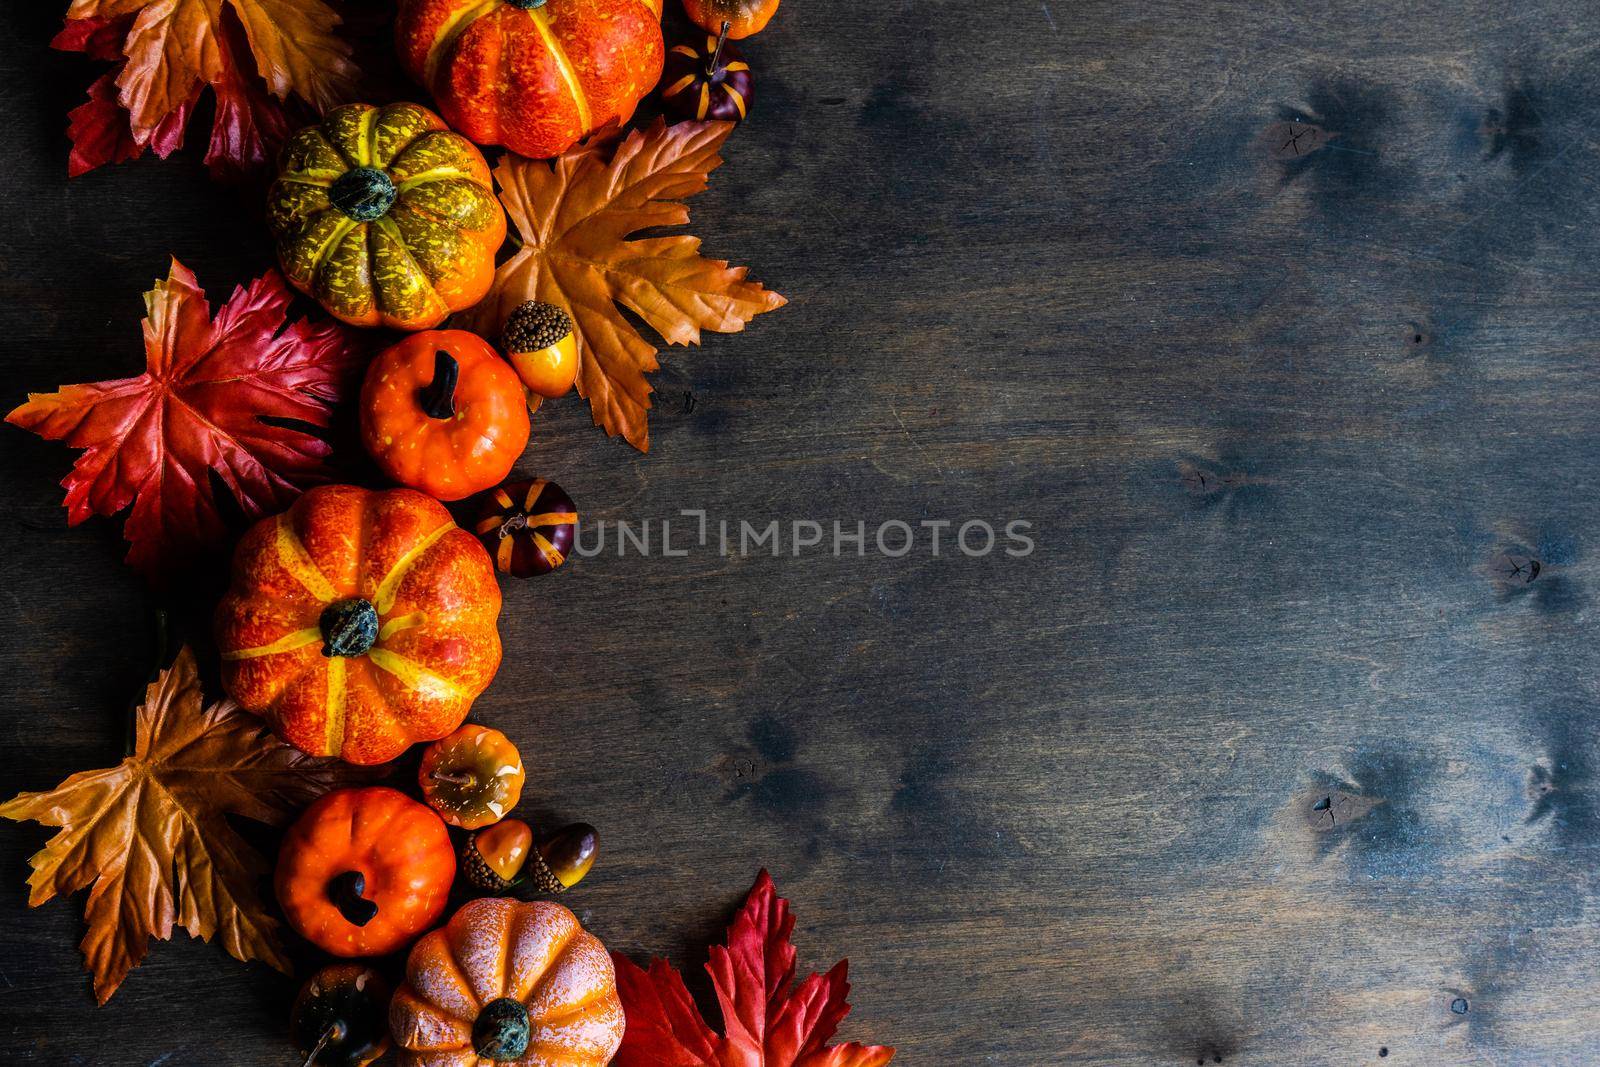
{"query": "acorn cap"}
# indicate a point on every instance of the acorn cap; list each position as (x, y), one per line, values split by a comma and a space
(535, 876)
(539, 875)
(478, 872)
(535, 325)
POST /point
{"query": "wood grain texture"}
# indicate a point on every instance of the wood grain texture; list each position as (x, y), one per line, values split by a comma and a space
(1277, 320)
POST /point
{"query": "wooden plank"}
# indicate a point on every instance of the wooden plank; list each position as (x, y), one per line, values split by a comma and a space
(1279, 327)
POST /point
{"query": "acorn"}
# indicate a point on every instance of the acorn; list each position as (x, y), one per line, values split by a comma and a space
(503, 859)
(540, 343)
(707, 78)
(527, 526)
(341, 1017)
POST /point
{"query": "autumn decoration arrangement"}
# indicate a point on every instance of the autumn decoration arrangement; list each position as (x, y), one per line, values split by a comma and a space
(360, 620)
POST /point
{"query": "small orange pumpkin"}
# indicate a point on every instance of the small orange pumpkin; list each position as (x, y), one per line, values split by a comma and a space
(473, 777)
(363, 871)
(508, 982)
(443, 413)
(743, 17)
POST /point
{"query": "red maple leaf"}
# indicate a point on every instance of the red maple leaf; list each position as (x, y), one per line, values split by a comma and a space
(767, 1023)
(249, 127)
(224, 399)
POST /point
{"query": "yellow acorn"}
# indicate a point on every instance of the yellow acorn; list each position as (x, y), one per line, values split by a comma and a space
(540, 343)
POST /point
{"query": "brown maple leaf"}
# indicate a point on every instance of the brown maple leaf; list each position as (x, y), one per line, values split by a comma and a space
(151, 836)
(574, 215)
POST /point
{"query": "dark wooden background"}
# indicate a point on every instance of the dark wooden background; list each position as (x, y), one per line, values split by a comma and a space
(1267, 755)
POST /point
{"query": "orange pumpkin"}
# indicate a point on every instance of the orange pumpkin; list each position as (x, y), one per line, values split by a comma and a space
(744, 17)
(363, 871)
(533, 75)
(443, 413)
(508, 982)
(359, 622)
(473, 777)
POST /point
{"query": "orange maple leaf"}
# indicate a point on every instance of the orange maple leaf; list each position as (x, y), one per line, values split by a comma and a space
(151, 836)
(574, 215)
(173, 46)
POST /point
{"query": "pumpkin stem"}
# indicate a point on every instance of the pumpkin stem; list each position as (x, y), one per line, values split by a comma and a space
(345, 891)
(335, 1032)
(349, 627)
(364, 194)
(502, 1030)
(454, 777)
(526, 5)
(714, 65)
(439, 398)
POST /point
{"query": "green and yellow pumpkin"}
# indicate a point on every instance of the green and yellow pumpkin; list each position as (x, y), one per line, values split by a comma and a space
(385, 217)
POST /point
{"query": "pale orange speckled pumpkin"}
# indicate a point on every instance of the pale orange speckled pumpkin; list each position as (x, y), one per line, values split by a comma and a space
(506, 982)
(359, 622)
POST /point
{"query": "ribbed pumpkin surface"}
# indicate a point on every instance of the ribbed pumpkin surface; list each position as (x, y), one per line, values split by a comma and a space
(433, 592)
(533, 78)
(385, 217)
